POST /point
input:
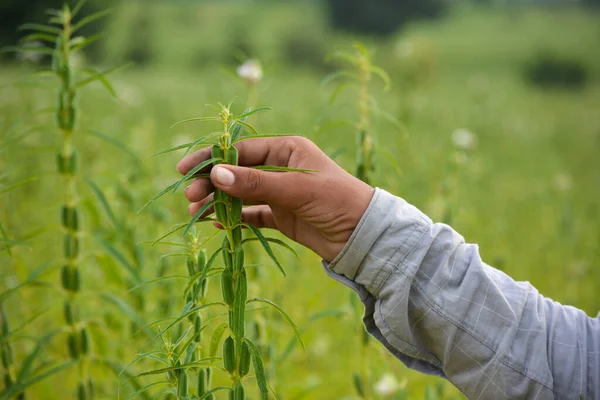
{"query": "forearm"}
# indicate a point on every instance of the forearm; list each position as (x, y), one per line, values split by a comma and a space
(436, 306)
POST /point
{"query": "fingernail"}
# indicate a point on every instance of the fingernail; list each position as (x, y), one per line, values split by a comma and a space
(223, 176)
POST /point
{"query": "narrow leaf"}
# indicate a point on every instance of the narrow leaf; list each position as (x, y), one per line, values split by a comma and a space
(207, 394)
(277, 168)
(283, 313)
(20, 387)
(216, 338)
(193, 171)
(90, 18)
(185, 121)
(247, 126)
(100, 195)
(40, 28)
(259, 370)
(199, 363)
(197, 215)
(98, 76)
(276, 241)
(249, 112)
(115, 142)
(169, 188)
(28, 49)
(263, 241)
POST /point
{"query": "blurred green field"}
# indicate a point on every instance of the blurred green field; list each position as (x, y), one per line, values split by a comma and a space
(528, 193)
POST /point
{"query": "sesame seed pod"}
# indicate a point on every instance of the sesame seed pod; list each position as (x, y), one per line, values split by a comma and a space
(71, 246)
(81, 392)
(203, 288)
(182, 387)
(201, 381)
(220, 208)
(231, 156)
(201, 260)
(229, 355)
(3, 321)
(245, 359)
(236, 234)
(75, 280)
(238, 260)
(227, 288)
(216, 152)
(85, 342)
(65, 277)
(231, 395)
(209, 373)
(239, 392)
(227, 259)
(190, 266)
(72, 345)
(70, 218)
(91, 388)
(198, 328)
(68, 311)
(7, 356)
(66, 165)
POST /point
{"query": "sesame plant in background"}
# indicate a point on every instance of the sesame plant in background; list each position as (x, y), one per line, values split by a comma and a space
(357, 73)
(238, 349)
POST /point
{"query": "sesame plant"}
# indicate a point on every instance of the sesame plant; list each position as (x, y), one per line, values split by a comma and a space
(238, 349)
(62, 41)
(358, 73)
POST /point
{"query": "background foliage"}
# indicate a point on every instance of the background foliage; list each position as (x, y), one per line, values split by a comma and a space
(523, 185)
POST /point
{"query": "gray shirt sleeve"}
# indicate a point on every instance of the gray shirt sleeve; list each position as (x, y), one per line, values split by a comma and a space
(435, 305)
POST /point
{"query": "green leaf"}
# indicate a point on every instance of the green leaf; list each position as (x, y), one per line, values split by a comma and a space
(207, 394)
(147, 387)
(277, 168)
(259, 370)
(172, 231)
(338, 74)
(40, 28)
(102, 79)
(162, 278)
(249, 112)
(100, 195)
(115, 142)
(121, 259)
(27, 363)
(31, 280)
(199, 363)
(263, 241)
(170, 149)
(21, 386)
(28, 49)
(193, 171)
(78, 7)
(247, 126)
(276, 241)
(283, 313)
(216, 338)
(338, 89)
(383, 75)
(201, 276)
(185, 121)
(39, 36)
(98, 77)
(197, 215)
(127, 310)
(90, 18)
(169, 188)
(204, 139)
(80, 43)
(239, 308)
(362, 49)
(12, 187)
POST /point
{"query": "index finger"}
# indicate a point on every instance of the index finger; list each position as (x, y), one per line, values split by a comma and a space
(259, 151)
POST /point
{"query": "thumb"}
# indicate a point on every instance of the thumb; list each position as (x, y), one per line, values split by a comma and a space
(252, 184)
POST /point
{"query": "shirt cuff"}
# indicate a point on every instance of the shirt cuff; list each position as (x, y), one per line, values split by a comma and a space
(386, 233)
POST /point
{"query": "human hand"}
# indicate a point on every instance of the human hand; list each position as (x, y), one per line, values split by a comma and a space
(319, 210)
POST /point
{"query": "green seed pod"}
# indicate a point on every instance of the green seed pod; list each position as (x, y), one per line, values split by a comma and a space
(245, 359)
(358, 385)
(71, 246)
(7, 380)
(239, 392)
(65, 277)
(236, 234)
(202, 382)
(227, 288)
(182, 387)
(81, 392)
(198, 327)
(3, 321)
(189, 298)
(216, 152)
(231, 395)
(190, 266)
(229, 355)
(72, 345)
(66, 165)
(201, 260)
(75, 280)
(70, 119)
(70, 218)
(85, 342)
(236, 210)
(227, 259)
(231, 156)
(68, 311)
(203, 288)
(91, 388)
(230, 315)
(238, 260)
(7, 356)
(209, 374)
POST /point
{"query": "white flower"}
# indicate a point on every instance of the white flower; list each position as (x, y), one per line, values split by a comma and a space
(464, 139)
(387, 385)
(250, 71)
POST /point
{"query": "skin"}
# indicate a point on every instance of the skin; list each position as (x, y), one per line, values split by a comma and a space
(319, 210)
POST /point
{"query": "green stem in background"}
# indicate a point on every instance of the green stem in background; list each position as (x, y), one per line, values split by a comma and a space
(78, 341)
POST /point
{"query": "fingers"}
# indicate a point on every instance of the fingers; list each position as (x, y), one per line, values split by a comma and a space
(290, 189)
(199, 189)
(259, 216)
(194, 207)
(259, 151)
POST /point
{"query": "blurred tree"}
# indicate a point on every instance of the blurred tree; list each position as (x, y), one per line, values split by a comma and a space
(380, 17)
